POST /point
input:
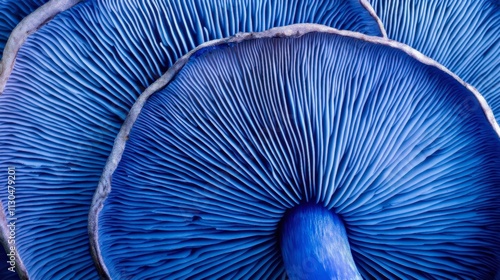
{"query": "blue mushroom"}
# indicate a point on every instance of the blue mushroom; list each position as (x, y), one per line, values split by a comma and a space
(73, 84)
(463, 35)
(302, 152)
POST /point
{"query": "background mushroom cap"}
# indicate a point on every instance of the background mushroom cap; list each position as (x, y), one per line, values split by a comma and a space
(463, 35)
(11, 13)
(248, 130)
(72, 86)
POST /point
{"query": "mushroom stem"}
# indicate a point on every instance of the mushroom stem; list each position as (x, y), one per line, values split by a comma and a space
(314, 245)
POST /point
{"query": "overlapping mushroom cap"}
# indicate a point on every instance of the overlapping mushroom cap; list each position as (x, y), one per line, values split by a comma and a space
(463, 35)
(73, 84)
(251, 127)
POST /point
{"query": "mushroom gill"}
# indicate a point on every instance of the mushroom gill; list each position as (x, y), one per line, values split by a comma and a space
(463, 35)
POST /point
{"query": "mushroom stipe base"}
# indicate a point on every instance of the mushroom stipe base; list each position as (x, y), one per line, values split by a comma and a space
(314, 244)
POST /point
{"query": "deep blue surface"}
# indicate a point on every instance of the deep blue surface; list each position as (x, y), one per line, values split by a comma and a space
(5, 273)
(244, 133)
(11, 13)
